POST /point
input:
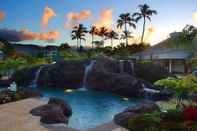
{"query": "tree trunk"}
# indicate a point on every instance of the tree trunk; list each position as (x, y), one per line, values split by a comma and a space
(103, 40)
(144, 25)
(80, 44)
(92, 41)
(125, 27)
(77, 43)
(112, 43)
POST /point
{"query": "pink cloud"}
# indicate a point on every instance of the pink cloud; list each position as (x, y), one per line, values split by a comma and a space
(2, 15)
(73, 18)
(48, 15)
(23, 35)
(105, 20)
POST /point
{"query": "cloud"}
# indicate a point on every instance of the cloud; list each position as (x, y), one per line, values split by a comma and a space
(105, 19)
(149, 35)
(48, 15)
(194, 17)
(24, 35)
(2, 15)
(73, 18)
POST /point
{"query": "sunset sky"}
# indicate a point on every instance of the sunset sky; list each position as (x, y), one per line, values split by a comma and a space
(45, 22)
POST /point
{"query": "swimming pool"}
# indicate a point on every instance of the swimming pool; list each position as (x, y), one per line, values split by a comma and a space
(90, 108)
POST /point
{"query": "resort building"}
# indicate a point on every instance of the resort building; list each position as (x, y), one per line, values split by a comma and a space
(175, 60)
(51, 52)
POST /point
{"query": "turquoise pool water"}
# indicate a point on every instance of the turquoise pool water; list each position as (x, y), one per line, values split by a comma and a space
(90, 108)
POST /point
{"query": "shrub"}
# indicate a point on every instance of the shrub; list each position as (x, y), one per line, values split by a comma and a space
(167, 83)
(145, 122)
(172, 120)
(186, 84)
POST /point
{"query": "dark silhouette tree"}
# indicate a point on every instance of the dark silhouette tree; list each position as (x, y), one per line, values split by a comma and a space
(102, 32)
(78, 33)
(125, 35)
(93, 31)
(125, 20)
(112, 35)
(144, 13)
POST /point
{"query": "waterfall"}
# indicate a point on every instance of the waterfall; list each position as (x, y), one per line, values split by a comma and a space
(88, 69)
(148, 92)
(34, 82)
(126, 66)
(132, 66)
(121, 66)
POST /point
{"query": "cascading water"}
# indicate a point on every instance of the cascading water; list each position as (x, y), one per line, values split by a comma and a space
(121, 66)
(88, 69)
(148, 92)
(34, 82)
(132, 66)
(129, 66)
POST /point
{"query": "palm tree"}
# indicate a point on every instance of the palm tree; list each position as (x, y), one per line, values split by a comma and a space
(98, 43)
(124, 20)
(102, 33)
(78, 34)
(144, 13)
(112, 35)
(126, 35)
(93, 31)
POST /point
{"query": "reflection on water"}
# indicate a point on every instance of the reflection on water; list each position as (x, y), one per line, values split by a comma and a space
(90, 108)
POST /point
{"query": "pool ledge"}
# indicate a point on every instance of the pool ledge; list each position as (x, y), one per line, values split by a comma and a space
(15, 116)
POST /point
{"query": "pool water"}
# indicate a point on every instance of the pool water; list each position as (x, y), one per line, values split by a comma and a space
(90, 108)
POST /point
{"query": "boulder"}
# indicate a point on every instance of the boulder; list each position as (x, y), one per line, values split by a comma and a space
(152, 93)
(150, 72)
(25, 76)
(5, 83)
(54, 117)
(64, 105)
(105, 76)
(63, 74)
(56, 111)
(134, 111)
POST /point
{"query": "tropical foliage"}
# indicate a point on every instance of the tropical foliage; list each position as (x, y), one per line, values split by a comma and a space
(186, 39)
(186, 84)
(171, 120)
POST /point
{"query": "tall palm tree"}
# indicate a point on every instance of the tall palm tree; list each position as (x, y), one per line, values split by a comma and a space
(102, 32)
(78, 33)
(126, 35)
(125, 20)
(112, 35)
(93, 31)
(144, 13)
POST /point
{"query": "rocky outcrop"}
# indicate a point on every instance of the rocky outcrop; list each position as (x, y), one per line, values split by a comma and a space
(152, 93)
(105, 76)
(56, 111)
(150, 72)
(7, 96)
(4, 83)
(63, 74)
(134, 111)
(25, 76)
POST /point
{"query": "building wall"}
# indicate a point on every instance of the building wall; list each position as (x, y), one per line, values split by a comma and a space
(177, 66)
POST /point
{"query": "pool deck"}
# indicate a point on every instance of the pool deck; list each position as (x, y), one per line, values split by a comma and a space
(15, 116)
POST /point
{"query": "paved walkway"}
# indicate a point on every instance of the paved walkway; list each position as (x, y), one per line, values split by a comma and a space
(16, 117)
